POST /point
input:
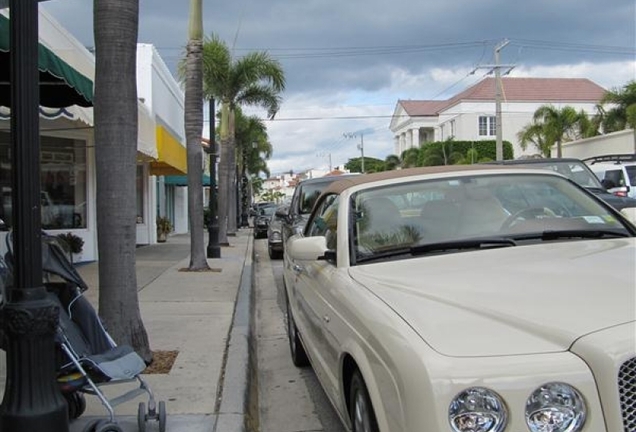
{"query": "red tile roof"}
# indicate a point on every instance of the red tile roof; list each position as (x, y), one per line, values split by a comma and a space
(567, 90)
(335, 172)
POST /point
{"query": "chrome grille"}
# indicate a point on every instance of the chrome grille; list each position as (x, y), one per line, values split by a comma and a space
(627, 392)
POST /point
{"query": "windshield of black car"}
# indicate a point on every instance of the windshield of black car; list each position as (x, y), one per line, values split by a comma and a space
(490, 209)
(308, 196)
(268, 211)
(576, 171)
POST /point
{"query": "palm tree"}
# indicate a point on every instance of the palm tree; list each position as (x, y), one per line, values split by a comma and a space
(410, 157)
(392, 162)
(255, 79)
(631, 121)
(615, 118)
(253, 148)
(559, 124)
(533, 133)
(193, 118)
(116, 24)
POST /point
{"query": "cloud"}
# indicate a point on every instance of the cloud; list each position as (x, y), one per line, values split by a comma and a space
(347, 63)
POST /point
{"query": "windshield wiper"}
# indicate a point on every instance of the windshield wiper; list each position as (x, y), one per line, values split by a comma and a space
(560, 234)
(382, 255)
(565, 234)
(474, 243)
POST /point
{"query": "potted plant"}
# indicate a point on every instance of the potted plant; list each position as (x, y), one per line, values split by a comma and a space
(164, 227)
(72, 243)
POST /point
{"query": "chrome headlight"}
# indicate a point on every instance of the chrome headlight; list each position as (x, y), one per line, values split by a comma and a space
(477, 409)
(275, 235)
(555, 407)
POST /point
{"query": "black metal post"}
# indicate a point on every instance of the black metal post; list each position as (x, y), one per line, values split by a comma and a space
(32, 400)
(214, 249)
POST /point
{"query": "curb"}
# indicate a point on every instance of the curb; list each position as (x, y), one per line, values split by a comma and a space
(234, 389)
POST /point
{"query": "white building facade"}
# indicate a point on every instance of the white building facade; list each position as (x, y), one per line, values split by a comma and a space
(471, 114)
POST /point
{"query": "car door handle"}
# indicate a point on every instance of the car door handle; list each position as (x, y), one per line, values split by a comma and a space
(298, 268)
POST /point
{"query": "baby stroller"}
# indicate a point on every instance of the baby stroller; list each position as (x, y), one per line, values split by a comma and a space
(88, 358)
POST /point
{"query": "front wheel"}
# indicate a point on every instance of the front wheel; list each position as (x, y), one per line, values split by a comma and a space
(360, 407)
(298, 354)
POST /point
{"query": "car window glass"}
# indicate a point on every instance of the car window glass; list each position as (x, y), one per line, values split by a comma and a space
(325, 221)
(308, 197)
(631, 173)
(615, 176)
(471, 207)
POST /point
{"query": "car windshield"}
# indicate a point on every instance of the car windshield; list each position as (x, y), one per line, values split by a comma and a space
(474, 212)
(268, 210)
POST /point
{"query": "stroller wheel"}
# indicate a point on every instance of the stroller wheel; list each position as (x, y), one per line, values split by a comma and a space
(91, 425)
(141, 417)
(76, 404)
(105, 426)
(162, 416)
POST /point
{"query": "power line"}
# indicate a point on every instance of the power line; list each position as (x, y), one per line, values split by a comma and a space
(321, 52)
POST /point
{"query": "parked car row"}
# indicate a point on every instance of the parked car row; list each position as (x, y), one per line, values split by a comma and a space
(289, 219)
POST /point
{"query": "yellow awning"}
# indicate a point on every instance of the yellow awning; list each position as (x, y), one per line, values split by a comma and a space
(171, 155)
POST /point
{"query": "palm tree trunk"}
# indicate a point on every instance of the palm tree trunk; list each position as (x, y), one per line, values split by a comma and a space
(231, 224)
(116, 25)
(225, 170)
(194, 128)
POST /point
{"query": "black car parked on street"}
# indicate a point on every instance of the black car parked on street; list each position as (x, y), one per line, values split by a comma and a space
(261, 220)
(305, 195)
(577, 171)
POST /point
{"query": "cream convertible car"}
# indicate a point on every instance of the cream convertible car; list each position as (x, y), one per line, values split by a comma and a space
(481, 299)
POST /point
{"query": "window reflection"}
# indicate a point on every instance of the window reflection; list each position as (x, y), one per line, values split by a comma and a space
(62, 181)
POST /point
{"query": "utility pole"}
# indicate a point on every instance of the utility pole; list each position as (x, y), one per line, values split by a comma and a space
(360, 147)
(326, 155)
(498, 95)
(499, 146)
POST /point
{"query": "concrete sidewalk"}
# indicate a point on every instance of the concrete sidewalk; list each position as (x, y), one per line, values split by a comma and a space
(206, 317)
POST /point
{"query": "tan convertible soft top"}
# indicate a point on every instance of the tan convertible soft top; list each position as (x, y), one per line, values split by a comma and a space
(340, 185)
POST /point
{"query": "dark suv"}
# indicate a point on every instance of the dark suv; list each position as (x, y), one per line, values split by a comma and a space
(306, 192)
(577, 171)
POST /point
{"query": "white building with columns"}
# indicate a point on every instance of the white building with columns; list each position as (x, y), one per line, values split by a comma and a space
(471, 114)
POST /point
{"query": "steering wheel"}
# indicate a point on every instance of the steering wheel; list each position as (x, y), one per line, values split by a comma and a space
(525, 214)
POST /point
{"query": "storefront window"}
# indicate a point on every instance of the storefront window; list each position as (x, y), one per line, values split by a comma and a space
(62, 181)
(63, 175)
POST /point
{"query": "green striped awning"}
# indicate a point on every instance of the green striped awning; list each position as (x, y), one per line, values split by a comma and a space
(60, 84)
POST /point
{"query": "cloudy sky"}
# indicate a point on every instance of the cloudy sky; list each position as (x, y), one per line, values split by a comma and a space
(348, 62)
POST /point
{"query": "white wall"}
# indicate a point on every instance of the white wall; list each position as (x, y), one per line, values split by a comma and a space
(159, 90)
(615, 143)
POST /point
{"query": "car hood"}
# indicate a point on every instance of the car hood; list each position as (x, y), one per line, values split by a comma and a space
(507, 301)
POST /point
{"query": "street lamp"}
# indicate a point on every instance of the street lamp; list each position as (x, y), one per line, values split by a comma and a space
(214, 249)
(32, 400)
